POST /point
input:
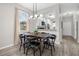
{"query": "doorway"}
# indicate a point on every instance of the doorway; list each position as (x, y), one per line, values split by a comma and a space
(21, 24)
(67, 27)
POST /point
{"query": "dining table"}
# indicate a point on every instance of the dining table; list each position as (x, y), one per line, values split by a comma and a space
(39, 35)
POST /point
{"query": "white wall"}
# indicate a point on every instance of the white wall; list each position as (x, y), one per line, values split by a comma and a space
(7, 18)
(67, 30)
(7, 23)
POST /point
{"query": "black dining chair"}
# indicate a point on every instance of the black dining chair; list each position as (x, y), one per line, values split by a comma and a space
(22, 40)
(32, 44)
(27, 39)
(50, 42)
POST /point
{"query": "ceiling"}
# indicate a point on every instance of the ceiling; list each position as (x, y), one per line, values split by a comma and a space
(39, 5)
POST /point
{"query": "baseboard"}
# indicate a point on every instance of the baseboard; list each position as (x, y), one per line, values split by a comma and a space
(6, 46)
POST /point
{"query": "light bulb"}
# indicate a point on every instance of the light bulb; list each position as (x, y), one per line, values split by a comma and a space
(36, 15)
(41, 15)
(31, 16)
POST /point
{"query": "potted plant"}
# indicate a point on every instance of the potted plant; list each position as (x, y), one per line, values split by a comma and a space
(36, 31)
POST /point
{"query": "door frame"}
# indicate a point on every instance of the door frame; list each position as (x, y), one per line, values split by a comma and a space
(16, 27)
(72, 25)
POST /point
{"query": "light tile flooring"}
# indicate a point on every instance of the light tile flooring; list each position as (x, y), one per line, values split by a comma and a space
(68, 47)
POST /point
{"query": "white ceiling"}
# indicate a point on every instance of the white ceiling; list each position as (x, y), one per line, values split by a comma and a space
(39, 5)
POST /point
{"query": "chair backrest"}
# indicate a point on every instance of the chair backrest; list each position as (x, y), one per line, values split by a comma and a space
(53, 36)
(21, 36)
(25, 38)
(51, 39)
(29, 38)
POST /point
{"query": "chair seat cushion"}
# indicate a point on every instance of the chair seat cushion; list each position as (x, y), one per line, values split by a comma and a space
(33, 44)
(48, 43)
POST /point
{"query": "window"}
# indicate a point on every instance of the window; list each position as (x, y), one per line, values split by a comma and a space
(23, 17)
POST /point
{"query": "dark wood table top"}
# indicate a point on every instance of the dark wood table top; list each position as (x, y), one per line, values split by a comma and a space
(40, 35)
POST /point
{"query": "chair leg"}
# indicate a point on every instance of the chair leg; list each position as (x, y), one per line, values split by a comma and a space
(40, 50)
(20, 47)
(43, 48)
(54, 48)
(24, 48)
(40, 40)
(27, 51)
(44, 45)
(51, 50)
(47, 46)
(33, 51)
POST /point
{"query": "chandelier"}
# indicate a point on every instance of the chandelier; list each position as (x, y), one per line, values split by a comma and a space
(35, 12)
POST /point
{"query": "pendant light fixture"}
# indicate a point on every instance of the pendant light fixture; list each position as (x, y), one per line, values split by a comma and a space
(34, 15)
(35, 12)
